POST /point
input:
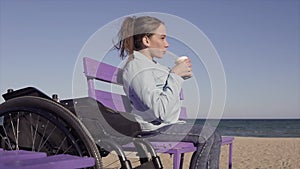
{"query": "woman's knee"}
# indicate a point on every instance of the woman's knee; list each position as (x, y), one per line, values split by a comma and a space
(217, 136)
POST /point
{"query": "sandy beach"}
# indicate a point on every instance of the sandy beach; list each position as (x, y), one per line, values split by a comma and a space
(248, 153)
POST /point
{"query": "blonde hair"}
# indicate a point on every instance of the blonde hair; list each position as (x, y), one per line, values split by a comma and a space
(132, 31)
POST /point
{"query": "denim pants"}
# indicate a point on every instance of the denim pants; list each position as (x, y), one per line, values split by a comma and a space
(206, 139)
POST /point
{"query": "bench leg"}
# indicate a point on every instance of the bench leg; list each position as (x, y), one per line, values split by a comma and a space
(176, 160)
(181, 160)
(230, 156)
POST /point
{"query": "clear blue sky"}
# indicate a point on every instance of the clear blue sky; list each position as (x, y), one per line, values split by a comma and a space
(257, 41)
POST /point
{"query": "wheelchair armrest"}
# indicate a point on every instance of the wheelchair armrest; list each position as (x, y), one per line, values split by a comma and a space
(27, 91)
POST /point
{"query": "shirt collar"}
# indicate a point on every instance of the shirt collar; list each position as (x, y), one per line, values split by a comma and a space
(138, 55)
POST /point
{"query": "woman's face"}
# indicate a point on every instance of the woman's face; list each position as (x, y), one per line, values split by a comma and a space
(157, 43)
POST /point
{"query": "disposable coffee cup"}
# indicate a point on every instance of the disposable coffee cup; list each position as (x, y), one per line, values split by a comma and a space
(180, 60)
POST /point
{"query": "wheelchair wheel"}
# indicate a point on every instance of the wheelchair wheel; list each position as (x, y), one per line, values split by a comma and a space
(38, 124)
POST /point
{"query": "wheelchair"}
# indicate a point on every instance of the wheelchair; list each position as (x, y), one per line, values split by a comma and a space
(32, 120)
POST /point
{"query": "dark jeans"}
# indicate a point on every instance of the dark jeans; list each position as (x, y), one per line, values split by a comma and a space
(206, 139)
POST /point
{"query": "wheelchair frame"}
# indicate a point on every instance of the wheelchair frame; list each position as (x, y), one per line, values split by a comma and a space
(32, 120)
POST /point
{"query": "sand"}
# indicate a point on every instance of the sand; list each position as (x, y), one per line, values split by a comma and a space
(248, 153)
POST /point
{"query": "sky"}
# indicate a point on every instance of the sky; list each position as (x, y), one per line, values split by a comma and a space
(258, 43)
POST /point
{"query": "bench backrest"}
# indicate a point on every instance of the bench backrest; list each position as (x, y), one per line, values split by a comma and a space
(95, 70)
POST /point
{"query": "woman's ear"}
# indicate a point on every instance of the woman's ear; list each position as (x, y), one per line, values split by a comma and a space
(146, 41)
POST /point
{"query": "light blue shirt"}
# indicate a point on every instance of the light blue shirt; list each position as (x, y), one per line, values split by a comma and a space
(153, 92)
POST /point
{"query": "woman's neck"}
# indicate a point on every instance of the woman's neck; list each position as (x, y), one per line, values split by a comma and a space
(146, 53)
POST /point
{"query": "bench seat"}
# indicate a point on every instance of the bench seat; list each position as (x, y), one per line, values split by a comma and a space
(20, 159)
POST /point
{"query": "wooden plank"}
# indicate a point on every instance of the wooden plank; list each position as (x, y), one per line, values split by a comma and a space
(57, 161)
(10, 156)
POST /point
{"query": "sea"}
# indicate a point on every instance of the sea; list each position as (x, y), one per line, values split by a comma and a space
(252, 127)
(256, 127)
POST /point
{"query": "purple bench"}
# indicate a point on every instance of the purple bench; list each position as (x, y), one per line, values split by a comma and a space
(95, 70)
(20, 159)
(10, 156)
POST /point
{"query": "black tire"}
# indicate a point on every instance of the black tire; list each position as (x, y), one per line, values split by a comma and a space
(38, 124)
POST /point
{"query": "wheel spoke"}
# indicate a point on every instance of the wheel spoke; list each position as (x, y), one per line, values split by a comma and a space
(35, 132)
(5, 138)
(70, 147)
(43, 135)
(64, 141)
(14, 132)
(31, 131)
(18, 131)
(45, 141)
(59, 147)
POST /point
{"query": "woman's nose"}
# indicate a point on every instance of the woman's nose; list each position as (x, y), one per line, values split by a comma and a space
(166, 44)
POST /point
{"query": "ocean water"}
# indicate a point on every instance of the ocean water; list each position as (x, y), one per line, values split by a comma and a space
(258, 127)
(254, 127)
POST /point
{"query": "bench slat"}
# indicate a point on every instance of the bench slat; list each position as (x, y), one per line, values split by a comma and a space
(57, 161)
(114, 101)
(101, 71)
(10, 156)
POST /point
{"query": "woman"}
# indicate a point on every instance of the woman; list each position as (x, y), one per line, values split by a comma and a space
(154, 89)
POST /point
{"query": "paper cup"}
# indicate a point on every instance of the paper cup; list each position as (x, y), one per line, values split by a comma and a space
(180, 60)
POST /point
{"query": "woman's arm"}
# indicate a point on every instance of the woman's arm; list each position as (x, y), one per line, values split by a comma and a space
(162, 98)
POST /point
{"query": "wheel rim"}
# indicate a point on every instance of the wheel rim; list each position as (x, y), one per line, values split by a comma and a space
(38, 130)
(39, 124)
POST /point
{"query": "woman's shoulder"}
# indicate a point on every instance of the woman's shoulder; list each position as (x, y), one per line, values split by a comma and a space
(137, 63)
(131, 65)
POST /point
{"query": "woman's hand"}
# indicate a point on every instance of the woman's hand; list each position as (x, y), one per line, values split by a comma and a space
(183, 69)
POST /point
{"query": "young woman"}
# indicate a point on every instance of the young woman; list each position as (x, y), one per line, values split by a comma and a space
(154, 90)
